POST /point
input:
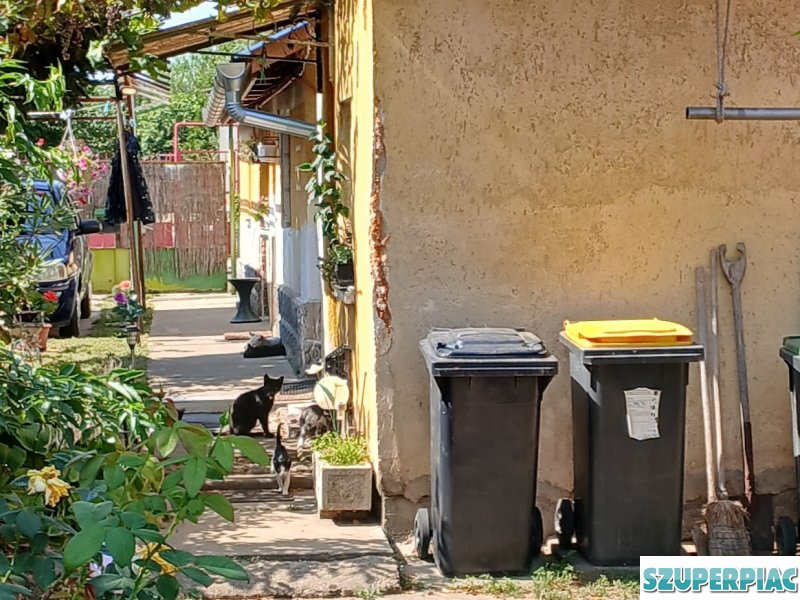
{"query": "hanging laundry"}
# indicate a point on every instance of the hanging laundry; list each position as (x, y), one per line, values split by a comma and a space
(115, 199)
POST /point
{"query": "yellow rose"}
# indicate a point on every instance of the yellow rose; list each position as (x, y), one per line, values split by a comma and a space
(150, 552)
(47, 481)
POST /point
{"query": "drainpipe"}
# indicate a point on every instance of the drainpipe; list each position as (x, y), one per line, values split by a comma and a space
(226, 98)
(176, 151)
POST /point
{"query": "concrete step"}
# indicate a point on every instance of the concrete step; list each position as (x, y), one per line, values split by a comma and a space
(257, 482)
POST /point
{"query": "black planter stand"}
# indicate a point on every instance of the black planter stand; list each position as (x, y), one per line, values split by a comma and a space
(344, 274)
(244, 287)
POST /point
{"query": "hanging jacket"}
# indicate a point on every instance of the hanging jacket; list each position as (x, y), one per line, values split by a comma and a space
(115, 198)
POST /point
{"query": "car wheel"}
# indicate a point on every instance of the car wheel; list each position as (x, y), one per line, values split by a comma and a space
(86, 303)
(73, 328)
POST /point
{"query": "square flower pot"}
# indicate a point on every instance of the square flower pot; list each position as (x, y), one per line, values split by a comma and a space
(342, 489)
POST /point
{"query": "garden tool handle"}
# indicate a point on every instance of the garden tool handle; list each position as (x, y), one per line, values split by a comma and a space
(708, 424)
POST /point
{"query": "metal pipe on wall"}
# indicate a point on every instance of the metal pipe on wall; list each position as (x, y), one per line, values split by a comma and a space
(227, 98)
(743, 114)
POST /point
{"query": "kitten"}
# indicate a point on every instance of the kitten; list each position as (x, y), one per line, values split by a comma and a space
(314, 421)
(281, 465)
(255, 406)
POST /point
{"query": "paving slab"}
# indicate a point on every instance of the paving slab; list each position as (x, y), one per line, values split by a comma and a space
(264, 531)
(368, 576)
(191, 359)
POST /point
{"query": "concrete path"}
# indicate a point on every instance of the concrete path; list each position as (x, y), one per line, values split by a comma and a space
(190, 358)
(281, 541)
(290, 552)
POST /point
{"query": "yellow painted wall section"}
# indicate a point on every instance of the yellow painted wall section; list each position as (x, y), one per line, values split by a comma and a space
(354, 106)
(539, 168)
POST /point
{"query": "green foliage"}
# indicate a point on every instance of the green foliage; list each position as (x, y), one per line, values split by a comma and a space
(191, 79)
(341, 451)
(490, 586)
(22, 162)
(325, 192)
(106, 486)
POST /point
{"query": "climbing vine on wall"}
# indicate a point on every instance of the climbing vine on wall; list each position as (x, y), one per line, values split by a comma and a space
(324, 189)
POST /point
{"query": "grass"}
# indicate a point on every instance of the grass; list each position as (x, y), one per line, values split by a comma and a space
(489, 586)
(369, 593)
(339, 451)
(556, 580)
(102, 348)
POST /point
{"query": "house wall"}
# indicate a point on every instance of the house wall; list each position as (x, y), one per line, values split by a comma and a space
(538, 167)
(354, 118)
(299, 296)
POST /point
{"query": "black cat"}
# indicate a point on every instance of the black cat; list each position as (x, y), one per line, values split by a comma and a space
(254, 406)
(281, 465)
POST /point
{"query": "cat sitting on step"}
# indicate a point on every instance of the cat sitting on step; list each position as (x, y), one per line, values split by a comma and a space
(254, 407)
(281, 465)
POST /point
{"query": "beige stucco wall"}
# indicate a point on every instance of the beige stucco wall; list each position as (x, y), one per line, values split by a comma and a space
(539, 168)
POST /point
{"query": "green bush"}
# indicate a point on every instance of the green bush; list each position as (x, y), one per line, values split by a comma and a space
(92, 486)
(341, 451)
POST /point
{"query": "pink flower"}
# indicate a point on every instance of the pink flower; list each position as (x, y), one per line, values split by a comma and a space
(83, 164)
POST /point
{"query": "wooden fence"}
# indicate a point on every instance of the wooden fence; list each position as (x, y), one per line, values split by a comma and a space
(186, 249)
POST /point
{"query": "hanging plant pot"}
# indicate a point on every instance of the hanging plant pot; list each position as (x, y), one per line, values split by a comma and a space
(344, 274)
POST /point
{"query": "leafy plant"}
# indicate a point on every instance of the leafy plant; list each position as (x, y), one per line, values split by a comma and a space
(127, 308)
(86, 169)
(341, 451)
(324, 191)
(92, 486)
(24, 214)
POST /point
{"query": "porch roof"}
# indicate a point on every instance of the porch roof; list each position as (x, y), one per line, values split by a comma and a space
(204, 33)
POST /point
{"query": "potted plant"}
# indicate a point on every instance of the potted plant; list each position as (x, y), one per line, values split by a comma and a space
(342, 474)
(127, 309)
(30, 321)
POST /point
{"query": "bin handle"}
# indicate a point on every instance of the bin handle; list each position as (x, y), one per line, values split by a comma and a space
(618, 332)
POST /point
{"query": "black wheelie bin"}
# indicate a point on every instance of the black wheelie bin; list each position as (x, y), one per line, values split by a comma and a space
(629, 383)
(485, 389)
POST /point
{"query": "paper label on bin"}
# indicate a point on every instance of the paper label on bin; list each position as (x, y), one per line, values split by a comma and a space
(642, 407)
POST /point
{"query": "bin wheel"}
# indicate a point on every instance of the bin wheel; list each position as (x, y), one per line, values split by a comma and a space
(565, 523)
(786, 537)
(538, 532)
(422, 533)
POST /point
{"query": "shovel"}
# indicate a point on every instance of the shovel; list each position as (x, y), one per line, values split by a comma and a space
(758, 505)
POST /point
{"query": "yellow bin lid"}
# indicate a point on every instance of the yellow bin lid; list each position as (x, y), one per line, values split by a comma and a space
(627, 334)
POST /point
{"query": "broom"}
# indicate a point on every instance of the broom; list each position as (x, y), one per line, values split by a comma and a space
(725, 520)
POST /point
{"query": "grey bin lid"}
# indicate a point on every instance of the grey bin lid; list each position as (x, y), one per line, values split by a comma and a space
(489, 351)
(486, 343)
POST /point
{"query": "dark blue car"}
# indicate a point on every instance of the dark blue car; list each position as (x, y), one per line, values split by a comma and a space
(69, 267)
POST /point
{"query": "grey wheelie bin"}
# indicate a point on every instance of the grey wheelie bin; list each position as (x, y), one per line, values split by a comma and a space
(485, 389)
(629, 383)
